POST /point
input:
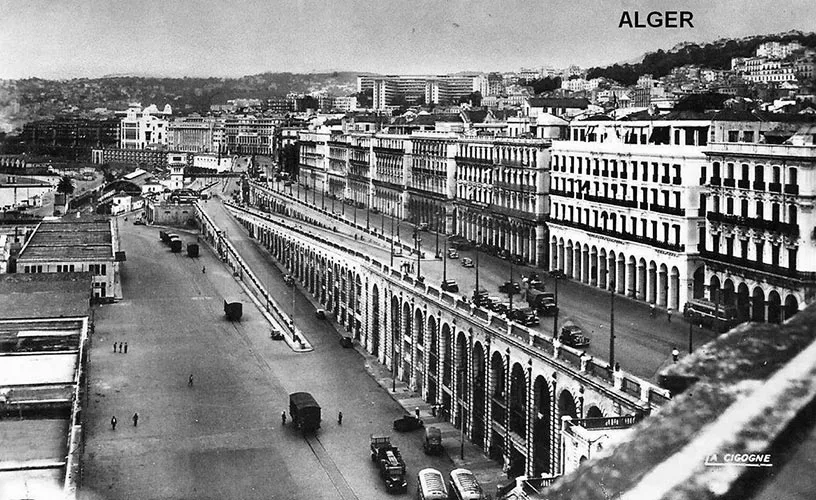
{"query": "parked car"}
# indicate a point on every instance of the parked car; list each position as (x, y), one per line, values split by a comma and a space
(517, 259)
(558, 274)
(526, 316)
(320, 313)
(510, 287)
(450, 286)
(480, 297)
(407, 423)
(433, 441)
(345, 341)
(422, 226)
(289, 279)
(499, 307)
(573, 336)
(467, 262)
(276, 334)
(453, 254)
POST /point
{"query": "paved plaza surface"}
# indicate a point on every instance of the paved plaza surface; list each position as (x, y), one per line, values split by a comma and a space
(222, 437)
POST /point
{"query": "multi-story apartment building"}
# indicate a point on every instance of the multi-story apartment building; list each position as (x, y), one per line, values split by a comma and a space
(433, 89)
(196, 134)
(246, 135)
(71, 134)
(624, 205)
(389, 174)
(501, 194)
(431, 177)
(358, 173)
(312, 153)
(777, 50)
(757, 243)
(491, 84)
(337, 164)
(144, 128)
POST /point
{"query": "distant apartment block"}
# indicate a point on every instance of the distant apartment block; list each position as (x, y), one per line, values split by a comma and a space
(433, 89)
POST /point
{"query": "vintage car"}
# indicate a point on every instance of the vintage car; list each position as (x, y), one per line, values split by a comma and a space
(573, 336)
(407, 423)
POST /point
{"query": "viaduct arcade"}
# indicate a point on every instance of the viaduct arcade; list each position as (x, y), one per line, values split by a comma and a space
(508, 386)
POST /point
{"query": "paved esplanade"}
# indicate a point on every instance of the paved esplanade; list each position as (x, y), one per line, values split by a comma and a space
(643, 344)
(222, 437)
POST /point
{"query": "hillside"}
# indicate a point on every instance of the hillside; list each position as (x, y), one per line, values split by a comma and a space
(715, 55)
(34, 98)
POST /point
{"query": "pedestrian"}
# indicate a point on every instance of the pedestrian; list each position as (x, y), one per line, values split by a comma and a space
(120, 348)
(135, 419)
(283, 418)
(675, 354)
(125, 347)
(203, 269)
(113, 423)
(416, 411)
(651, 310)
(114, 347)
(668, 315)
(340, 418)
(190, 380)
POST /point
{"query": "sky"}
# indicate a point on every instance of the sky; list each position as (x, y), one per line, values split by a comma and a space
(230, 38)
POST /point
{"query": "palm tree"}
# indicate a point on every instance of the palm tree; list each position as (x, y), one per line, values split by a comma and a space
(66, 185)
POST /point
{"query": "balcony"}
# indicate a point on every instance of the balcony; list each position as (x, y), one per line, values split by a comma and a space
(775, 187)
(759, 185)
(515, 187)
(715, 181)
(610, 201)
(474, 161)
(676, 181)
(744, 184)
(753, 269)
(791, 189)
(665, 179)
(729, 182)
(667, 210)
(559, 192)
(621, 235)
(791, 230)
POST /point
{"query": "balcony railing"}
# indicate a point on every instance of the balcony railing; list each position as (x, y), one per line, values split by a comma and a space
(654, 207)
(621, 235)
(665, 179)
(676, 181)
(744, 184)
(559, 192)
(791, 189)
(715, 181)
(478, 161)
(611, 201)
(775, 187)
(750, 268)
(759, 185)
(785, 228)
(729, 182)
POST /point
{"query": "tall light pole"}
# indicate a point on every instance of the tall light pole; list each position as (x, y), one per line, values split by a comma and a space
(437, 233)
(557, 309)
(611, 322)
(478, 243)
(368, 215)
(445, 262)
(418, 239)
(323, 198)
(392, 238)
(511, 291)
(355, 212)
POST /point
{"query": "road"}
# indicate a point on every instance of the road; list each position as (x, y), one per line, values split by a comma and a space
(643, 344)
(222, 438)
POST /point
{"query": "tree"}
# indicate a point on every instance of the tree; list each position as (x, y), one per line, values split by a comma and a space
(66, 185)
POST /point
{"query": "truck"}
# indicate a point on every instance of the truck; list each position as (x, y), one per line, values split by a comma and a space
(389, 461)
(164, 236)
(192, 249)
(175, 245)
(233, 309)
(543, 302)
(305, 411)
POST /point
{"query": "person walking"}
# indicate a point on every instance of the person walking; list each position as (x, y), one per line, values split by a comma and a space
(203, 269)
(125, 347)
(113, 423)
(135, 419)
(416, 411)
(114, 347)
(120, 348)
(651, 310)
(190, 381)
(675, 354)
(283, 418)
(668, 315)
(340, 418)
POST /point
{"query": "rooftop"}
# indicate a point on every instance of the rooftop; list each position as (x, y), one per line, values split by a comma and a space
(44, 295)
(69, 240)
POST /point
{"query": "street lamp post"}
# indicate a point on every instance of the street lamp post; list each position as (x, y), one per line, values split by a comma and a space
(445, 263)
(557, 310)
(323, 199)
(437, 234)
(612, 323)
(392, 238)
(368, 216)
(418, 239)
(478, 242)
(355, 213)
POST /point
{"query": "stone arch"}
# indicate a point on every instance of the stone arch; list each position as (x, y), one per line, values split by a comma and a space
(698, 282)
(743, 303)
(542, 426)
(432, 352)
(774, 307)
(446, 353)
(674, 288)
(631, 282)
(566, 405)
(497, 392)
(791, 306)
(518, 400)
(663, 286)
(375, 321)
(462, 359)
(594, 412)
(419, 353)
(396, 334)
(758, 305)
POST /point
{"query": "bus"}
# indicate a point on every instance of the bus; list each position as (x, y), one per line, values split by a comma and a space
(464, 486)
(431, 485)
(717, 316)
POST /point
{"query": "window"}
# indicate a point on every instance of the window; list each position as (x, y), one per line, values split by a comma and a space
(729, 246)
(776, 174)
(744, 249)
(745, 170)
(775, 212)
(775, 255)
(702, 204)
(792, 215)
(729, 205)
(760, 210)
(729, 170)
(748, 136)
(792, 259)
(733, 135)
(760, 250)
(792, 176)
(715, 243)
